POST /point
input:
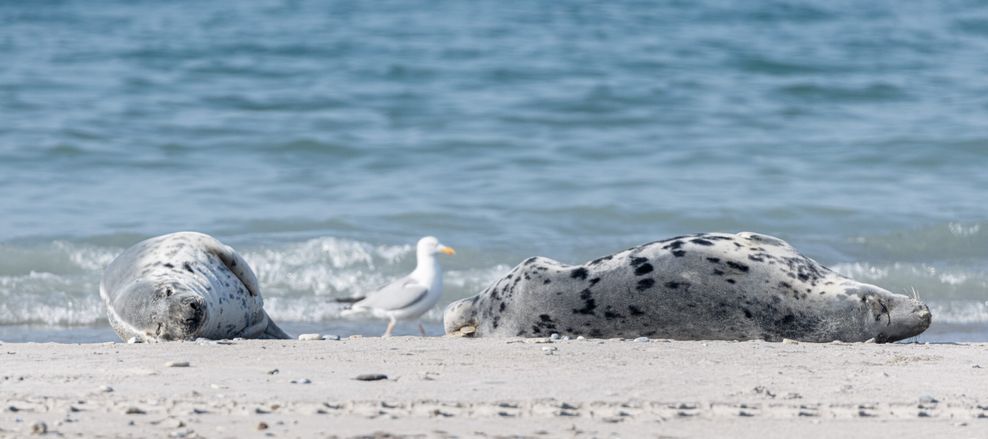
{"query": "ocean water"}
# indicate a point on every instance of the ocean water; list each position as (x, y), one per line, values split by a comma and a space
(322, 139)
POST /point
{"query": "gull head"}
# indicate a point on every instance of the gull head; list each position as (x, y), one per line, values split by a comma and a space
(430, 246)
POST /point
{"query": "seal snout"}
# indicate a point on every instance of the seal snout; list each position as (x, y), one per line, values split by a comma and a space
(923, 313)
(906, 324)
(189, 312)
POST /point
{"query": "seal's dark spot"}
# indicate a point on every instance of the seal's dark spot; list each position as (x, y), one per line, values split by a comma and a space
(714, 260)
(546, 282)
(610, 315)
(737, 266)
(700, 241)
(545, 318)
(579, 273)
(529, 260)
(747, 313)
(636, 261)
(169, 265)
(674, 246)
(672, 285)
(718, 272)
(731, 281)
(645, 284)
(589, 304)
(188, 267)
(756, 258)
(503, 305)
(643, 269)
(594, 281)
(635, 311)
(679, 253)
(599, 260)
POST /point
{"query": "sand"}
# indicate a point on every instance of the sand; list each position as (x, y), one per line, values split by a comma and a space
(451, 387)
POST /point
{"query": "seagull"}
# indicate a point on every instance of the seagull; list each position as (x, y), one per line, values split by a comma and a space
(411, 296)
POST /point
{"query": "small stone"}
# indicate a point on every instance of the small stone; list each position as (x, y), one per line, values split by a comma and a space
(301, 381)
(923, 414)
(466, 331)
(565, 338)
(641, 340)
(580, 337)
(927, 399)
(789, 341)
(548, 350)
(134, 340)
(39, 427)
(134, 411)
(177, 364)
(273, 372)
(182, 433)
(331, 337)
(554, 336)
(976, 366)
(371, 377)
(105, 389)
(262, 426)
(310, 337)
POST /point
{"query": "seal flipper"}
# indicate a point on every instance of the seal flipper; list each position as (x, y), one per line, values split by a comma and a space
(272, 331)
(264, 329)
(237, 265)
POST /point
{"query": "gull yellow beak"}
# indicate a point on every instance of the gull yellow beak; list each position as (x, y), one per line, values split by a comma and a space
(447, 250)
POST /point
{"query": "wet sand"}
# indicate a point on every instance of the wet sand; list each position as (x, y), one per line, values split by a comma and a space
(450, 387)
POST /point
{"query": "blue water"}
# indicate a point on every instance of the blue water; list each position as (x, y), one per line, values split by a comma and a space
(322, 139)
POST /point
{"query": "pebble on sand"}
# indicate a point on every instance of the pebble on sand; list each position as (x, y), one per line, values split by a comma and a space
(371, 377)
(105, 389)
(177, 364)
(310, 337)
(262, 426)
(301, 381)
(39, 427)
(642, 340)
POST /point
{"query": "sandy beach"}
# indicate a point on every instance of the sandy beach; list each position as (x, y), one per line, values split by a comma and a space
(450, 387)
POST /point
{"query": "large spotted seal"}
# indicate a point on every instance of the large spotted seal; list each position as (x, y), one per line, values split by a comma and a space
(705, 286)
(183, 286)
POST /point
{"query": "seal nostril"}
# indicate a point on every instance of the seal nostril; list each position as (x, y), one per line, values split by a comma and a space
(194, 305)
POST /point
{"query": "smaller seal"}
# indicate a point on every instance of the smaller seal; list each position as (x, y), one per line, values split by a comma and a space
(708, 286)
(184, 286)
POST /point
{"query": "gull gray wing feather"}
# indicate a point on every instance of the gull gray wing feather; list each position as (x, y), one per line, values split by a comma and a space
(399, 294)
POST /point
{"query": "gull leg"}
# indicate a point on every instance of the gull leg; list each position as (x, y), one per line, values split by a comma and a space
(421, 329)
(391, 327)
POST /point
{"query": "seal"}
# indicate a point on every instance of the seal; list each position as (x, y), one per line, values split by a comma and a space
(708, 286)
(184, 286)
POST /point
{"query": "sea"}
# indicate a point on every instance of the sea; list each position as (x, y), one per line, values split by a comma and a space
(322, 139)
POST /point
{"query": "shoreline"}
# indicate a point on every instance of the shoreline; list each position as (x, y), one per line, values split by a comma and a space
(446, 387)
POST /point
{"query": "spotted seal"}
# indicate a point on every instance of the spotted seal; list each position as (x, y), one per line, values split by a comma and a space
(183, 286)
(708, 286)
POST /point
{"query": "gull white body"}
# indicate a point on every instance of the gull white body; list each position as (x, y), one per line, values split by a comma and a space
(411, 296)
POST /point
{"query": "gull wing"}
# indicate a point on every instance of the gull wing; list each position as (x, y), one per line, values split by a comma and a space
(399, 294)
